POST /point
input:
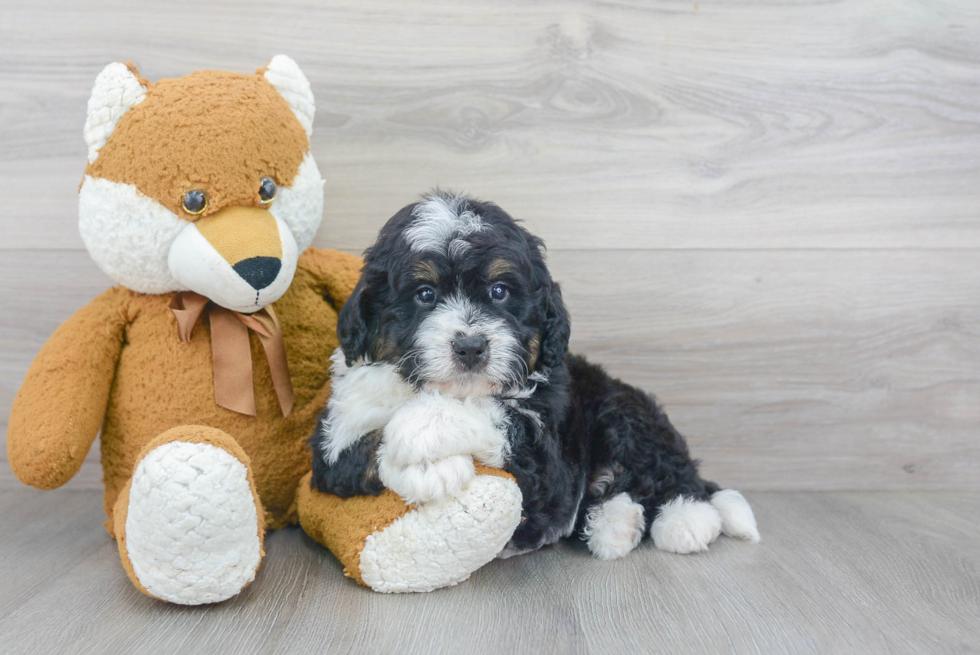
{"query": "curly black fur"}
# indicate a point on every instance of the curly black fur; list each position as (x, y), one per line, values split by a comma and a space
(578, 439)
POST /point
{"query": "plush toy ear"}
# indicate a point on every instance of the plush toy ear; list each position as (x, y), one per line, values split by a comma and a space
(117, 89)
(284, 74)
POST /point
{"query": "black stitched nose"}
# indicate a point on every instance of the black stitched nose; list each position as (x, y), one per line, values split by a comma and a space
(258, 271)
(469, 350)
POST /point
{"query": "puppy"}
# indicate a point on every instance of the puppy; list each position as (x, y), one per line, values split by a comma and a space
(454, 350)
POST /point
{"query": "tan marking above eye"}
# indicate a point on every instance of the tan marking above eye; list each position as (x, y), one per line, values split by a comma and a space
(425, 271)
(498, 268)
(240, 233)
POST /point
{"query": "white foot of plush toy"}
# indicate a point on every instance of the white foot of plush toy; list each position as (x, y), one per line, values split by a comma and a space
(392, 547)
(441, 543)
(192, 530)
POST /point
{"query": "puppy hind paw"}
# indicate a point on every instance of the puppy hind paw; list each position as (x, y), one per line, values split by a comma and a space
(737, 518)
(614, 528)
(429, 480)
(685, 525)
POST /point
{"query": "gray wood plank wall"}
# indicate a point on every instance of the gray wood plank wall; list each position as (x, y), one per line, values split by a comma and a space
(766, 212)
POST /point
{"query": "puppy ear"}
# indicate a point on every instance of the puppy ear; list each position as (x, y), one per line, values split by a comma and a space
(555, 328)
(357, 324)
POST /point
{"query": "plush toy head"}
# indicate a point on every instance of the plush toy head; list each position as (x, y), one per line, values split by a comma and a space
(202, 183)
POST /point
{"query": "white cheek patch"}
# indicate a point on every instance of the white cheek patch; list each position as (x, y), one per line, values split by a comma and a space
(457, 317)
(364, 398)
(300, 206)
(128, 234)
(440, 224)
(198, 267)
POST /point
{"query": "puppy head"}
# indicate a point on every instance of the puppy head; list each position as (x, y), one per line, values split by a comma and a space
(457, 295)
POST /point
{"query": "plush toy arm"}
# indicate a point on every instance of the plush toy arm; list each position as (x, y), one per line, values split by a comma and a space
(336, 272)
(61, 405)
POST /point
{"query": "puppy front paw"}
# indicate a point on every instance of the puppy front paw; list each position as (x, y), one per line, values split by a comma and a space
(433, 427)
(428, 480)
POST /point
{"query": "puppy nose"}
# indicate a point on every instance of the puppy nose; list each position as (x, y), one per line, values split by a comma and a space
(260, 272)
(469, 350)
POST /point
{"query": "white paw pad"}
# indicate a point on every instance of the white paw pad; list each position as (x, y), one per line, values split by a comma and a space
(684, 525)
(615, 527)
(192, 526)
(441, 543)
(737, 518)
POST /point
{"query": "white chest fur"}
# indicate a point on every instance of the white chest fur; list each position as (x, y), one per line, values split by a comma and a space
(430, 439)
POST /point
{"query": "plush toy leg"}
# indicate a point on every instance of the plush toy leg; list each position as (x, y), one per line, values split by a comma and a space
(189, 523)
(392, 547)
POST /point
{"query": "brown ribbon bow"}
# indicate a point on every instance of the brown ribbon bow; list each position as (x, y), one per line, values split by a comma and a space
(231, 352)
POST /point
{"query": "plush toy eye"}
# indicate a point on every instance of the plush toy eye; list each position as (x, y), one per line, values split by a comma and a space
(498, 291)
(195, 202)
(426, 295)
(267, 190)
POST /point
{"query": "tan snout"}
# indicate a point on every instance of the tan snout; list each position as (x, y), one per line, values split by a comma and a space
(248, 239)
(240, 233)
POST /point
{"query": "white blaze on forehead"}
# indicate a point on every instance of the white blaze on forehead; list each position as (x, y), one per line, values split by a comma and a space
(441, 224)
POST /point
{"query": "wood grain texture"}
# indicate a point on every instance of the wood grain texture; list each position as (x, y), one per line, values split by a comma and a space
(801, 370)
(766, 212)
(856, 572)
(621, 124)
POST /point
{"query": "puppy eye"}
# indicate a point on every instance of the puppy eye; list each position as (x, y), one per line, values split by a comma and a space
(267, 190)
(498, 291)
(426, 295)
(195, 202)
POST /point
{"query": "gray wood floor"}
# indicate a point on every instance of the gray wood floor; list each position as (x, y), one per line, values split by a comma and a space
(837, 572)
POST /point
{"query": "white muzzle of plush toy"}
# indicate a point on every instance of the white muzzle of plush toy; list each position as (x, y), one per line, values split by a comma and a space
(241, 258)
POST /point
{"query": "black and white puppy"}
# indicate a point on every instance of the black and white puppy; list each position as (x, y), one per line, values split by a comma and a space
(454, 349)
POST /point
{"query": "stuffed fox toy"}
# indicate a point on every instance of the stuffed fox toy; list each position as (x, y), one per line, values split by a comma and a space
(206, 367)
